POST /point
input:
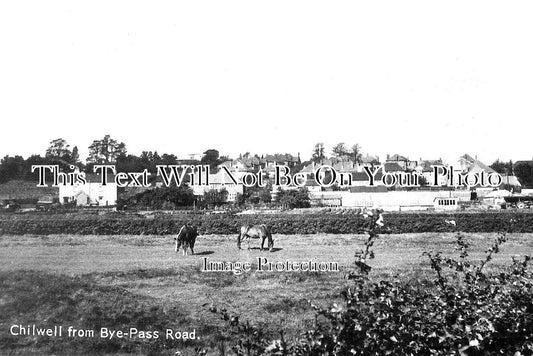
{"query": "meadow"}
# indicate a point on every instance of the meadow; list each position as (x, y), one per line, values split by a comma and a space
(138, 281)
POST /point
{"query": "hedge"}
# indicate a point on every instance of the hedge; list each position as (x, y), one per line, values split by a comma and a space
(122, 224)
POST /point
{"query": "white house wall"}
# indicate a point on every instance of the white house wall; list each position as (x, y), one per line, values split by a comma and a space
(395, 200)
(97, 193)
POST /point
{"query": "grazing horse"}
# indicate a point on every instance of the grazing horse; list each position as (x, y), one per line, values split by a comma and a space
(255, 232)
(186, 236)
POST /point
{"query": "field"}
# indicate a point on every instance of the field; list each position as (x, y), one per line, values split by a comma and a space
(133, 281)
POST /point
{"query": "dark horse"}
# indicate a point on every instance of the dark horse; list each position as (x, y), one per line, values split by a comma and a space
(255, 232)
(186, 237)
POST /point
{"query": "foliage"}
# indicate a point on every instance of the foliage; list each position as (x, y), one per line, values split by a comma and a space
(524, 172)
(292, 199)
(355, 153)
(212, 158)
(465, 311)
(162, 198)
(319, 153)
(18, 168)
(106, 150)
(339, 150)
(342, 222)
(60, 149)
(502, 167)
(257, 195)
(214, 197)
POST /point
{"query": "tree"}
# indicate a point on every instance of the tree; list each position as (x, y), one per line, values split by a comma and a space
(75, 156)
(169, 159)
(59, 149)
(106, 150)
(293, 198)
(161, 198)
(256, 194)
(502, 167)
(339, 150)
(318, 153)
(524, 172)
(11, 168)
(355, 153)
(215, 197)
(212, 158)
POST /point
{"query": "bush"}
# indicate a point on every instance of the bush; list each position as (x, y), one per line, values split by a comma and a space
(227, 223)
(464, 311)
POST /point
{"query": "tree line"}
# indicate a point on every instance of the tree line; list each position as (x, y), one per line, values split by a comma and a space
(110, 151)
(103, 151)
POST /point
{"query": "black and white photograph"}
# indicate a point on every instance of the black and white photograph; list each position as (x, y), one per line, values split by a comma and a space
(251, 178)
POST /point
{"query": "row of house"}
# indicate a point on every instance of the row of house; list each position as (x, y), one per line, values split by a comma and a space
(92, 193)
(358, 193)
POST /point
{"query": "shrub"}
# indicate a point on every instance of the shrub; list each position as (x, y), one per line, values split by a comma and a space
(283, 223)
(464, 311)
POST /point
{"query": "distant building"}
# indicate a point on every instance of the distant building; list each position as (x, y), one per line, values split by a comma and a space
(242, 164)
(190, 157)
(404, 162)
(92, 193)
(269, 162)
(218, 181)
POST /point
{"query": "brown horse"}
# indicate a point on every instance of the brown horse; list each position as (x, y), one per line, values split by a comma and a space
(255, 232)
(186, 237)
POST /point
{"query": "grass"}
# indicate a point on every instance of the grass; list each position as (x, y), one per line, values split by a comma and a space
(139, 281)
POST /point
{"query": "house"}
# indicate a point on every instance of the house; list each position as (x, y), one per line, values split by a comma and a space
(426, 168)
(190, 157)
(218, 181)
(270, 161)
(469, 166)
(325, 199)
(465, 162)
(512, 182)
(242, 164)
(369, 160)
(445, 203)
(392, 167)
(93, 192)
(402, 161)
(349, 174)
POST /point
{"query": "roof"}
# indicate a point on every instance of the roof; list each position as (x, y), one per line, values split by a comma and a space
(287, 157)
(221, 177)
(427, 165)
(393, 167)
(81, 193)
(397, 157)
(498, 193)
(369, 189)
(480, 166)
(369, 159)
(341, 166)
(363, 176)
(247, 162)
(95, 178)
(511, 180)
(467, 158)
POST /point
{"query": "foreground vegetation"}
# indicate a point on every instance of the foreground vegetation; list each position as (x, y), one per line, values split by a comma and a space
(329, 222)
(465, 311)
(406, 304)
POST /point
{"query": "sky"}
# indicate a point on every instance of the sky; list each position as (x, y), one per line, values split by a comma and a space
(423, 79)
